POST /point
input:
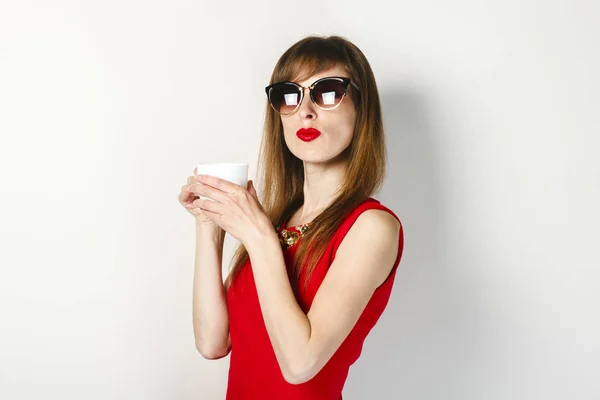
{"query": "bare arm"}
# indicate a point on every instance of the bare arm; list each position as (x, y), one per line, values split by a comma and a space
(209, 307)
(303, 343)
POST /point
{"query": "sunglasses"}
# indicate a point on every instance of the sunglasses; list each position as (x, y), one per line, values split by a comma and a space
(326, 93)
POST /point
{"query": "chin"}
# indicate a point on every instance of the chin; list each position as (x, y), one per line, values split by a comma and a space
(316, 152)
(317, 158)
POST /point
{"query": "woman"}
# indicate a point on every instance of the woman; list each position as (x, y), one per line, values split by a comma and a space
(318, 255)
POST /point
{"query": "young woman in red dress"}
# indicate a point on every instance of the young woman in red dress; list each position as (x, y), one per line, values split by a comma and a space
(318, 254)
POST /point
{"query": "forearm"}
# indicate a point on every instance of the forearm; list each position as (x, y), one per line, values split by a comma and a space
(287, 325)
(209, 308)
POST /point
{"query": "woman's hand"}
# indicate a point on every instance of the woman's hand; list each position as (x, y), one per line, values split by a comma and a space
(235, 208)
(190, 201)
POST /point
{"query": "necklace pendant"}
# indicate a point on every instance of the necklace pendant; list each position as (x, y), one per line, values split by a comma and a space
(290, 236)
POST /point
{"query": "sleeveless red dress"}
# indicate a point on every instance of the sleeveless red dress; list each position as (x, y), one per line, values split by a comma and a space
(254, 372)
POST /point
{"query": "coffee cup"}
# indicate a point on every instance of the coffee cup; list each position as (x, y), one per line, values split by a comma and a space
(232, 172)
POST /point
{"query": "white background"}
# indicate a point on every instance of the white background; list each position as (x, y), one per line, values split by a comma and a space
(491, 116)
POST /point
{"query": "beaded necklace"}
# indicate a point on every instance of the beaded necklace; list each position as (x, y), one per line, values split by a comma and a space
(289, 236)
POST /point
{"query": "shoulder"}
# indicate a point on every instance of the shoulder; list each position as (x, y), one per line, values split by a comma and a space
(377, 220)
(369, 222)
(377, 228)
(373, 240)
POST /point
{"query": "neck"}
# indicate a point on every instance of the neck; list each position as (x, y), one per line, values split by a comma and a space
(321, 183)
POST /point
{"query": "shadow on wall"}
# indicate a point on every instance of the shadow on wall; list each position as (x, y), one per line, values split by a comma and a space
(412, 351)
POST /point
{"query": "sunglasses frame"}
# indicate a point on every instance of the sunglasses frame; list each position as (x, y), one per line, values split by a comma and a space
(346, 81)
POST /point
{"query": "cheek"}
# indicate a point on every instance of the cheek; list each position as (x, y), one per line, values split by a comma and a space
(288, 135)
(348, 125)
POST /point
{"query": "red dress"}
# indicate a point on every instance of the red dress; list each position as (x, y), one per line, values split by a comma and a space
(254, 372)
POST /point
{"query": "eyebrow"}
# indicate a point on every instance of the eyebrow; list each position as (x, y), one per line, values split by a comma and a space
(326, 76)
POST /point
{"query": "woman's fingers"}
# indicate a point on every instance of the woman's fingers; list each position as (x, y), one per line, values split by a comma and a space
(186, 197)
(208, 191)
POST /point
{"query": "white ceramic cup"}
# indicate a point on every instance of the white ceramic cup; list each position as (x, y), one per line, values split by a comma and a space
(232, 172)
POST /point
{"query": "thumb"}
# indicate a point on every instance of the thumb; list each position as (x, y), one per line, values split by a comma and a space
(251, 189)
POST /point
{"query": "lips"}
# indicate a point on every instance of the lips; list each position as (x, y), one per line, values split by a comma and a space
(308, 134)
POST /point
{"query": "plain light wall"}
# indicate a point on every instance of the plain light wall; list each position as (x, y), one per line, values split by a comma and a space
(491, 117)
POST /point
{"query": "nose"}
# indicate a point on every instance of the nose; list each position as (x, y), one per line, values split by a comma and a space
(307, 109)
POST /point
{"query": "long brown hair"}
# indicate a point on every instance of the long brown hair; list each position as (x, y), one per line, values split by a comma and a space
(283, 174)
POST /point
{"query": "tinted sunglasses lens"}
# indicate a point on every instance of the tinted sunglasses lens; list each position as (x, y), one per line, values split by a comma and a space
(284, 97)
(329, 93)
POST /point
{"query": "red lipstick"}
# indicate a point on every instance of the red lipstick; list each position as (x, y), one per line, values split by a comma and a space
(308, 134)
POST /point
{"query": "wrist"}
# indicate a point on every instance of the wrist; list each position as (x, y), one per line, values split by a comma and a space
(209, 229)
(263, 241)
